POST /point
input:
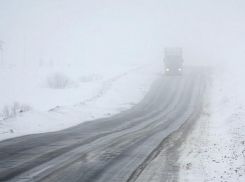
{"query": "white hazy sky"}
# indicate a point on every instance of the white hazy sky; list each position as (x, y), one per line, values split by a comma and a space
(120, 31)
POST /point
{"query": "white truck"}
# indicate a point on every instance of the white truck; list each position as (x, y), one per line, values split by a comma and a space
(173, 61)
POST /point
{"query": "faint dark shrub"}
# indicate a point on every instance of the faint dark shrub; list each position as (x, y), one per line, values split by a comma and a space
(10, 111)
(59, 81)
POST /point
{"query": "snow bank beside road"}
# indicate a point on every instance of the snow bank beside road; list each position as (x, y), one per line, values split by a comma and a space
(215, 151)
(29, 84)
(114, 90)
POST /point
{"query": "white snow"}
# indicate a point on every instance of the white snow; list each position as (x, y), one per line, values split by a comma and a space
(215, 150)
(95, 92)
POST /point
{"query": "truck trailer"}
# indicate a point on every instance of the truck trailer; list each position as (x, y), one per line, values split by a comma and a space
(173, 61)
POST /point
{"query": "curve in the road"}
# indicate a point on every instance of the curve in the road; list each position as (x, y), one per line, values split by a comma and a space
(105, 150)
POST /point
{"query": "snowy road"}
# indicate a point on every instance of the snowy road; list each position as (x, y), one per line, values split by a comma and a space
(131, 146)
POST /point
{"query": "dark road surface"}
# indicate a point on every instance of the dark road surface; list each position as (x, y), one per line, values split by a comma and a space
(106, 150)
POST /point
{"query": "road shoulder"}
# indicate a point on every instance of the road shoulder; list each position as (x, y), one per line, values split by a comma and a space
(215, 149)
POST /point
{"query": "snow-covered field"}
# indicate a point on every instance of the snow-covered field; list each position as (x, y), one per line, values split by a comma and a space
(29, 104)
(215, 150)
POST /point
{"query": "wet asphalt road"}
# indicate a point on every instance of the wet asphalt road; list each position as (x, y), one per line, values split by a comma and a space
(105, 150)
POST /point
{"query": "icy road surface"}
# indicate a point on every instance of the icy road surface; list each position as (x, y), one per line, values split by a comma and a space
(134, 145)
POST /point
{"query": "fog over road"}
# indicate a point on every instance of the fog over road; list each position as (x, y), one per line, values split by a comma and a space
(135, 145)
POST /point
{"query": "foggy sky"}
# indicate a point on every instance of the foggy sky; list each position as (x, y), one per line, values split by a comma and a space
(120, 31)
